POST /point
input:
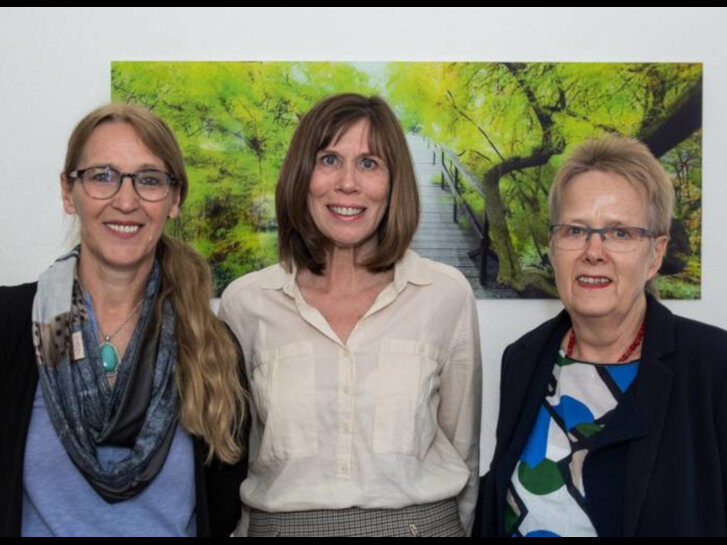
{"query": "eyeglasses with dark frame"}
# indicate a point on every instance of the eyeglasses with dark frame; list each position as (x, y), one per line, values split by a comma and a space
(618, 238)
(103, 182)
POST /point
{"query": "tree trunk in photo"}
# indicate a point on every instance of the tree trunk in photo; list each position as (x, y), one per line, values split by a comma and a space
(509, 271)
(552, 143)
(661, 135)
(677, 124)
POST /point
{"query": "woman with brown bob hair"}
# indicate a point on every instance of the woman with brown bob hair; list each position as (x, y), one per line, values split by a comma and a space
(363, 357)
(118, 383)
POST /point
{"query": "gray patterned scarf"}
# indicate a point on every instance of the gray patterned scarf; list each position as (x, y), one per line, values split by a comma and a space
(139, 412)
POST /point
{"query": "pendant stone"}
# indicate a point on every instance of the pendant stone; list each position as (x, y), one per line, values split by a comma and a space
(109, 357)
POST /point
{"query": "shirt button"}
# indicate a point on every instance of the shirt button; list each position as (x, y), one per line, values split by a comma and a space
(346, 390)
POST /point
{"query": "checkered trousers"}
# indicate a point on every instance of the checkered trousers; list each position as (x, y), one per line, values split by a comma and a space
(440, 519)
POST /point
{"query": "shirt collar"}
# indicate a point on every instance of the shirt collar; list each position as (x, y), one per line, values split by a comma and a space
(279, 278)
(410, 269)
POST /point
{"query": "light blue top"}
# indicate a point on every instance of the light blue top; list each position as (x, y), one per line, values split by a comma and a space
(57, 500)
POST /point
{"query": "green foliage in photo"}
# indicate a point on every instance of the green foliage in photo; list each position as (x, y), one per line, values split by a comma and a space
(505, 127)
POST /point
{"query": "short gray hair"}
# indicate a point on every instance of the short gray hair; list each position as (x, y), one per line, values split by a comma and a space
(626, 157)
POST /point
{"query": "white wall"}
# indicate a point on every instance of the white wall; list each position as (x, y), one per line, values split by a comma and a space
(55, 67)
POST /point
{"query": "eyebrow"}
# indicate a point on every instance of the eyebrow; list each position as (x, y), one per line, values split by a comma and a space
(368, 153)
(614, 223)
(145, 166)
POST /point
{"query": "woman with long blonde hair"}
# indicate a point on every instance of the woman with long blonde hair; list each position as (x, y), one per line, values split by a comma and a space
(121, 396)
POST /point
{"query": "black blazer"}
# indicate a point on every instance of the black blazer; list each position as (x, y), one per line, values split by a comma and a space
(218, 503)
(664, 472)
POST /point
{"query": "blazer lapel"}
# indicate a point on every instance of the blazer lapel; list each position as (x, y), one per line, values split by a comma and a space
(651, 393)
(525, 383)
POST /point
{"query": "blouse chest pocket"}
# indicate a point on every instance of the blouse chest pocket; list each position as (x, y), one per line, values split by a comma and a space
(283, 390)
(407, 381)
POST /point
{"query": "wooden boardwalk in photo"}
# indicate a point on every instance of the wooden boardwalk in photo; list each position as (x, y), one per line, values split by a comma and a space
(439, 237)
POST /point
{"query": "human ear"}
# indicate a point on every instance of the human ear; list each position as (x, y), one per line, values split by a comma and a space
(174, 211)
(657, 255)
(66, 187)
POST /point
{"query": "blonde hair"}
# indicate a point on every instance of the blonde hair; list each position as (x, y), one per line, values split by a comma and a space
(628, 158)
(212, 399)
(208, 372)
(299, 240)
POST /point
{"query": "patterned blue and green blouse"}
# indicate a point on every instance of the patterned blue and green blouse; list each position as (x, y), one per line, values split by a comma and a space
(546, 496)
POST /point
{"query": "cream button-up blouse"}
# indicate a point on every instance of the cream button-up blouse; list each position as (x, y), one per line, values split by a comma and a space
(388, 419)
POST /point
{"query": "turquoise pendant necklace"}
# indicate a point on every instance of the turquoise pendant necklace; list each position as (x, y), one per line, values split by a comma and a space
(109, 354)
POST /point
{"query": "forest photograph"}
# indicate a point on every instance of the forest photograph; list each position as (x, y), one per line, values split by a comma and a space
(486, 139)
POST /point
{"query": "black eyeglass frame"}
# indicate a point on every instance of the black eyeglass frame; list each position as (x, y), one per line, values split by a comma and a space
(171, 179)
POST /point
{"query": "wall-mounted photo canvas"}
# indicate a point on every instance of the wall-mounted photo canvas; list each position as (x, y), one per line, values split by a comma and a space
(486, 139)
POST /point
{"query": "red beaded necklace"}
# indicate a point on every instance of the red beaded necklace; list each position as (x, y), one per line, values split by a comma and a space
(624, 357)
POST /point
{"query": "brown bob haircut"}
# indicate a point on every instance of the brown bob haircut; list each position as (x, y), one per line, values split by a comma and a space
(149, 127)
(299, 240)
